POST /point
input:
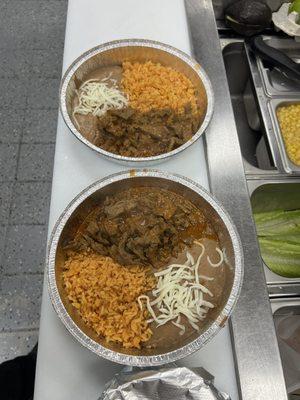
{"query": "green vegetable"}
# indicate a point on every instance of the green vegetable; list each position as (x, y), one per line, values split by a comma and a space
(279, 238)
(293, 239)
(277, 222)
(295, 6)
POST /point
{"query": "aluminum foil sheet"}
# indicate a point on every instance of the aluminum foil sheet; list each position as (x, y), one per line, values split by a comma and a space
(171, 383)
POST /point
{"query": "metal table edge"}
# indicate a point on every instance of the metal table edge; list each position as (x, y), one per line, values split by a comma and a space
(256, 352)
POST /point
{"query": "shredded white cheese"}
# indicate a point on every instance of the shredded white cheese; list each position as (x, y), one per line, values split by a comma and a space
(179, 293)
(97, 97)
(220, 262)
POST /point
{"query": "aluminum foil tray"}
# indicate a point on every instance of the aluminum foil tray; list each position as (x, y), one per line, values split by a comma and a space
(76, 212)
(166, 383)
(114, 53)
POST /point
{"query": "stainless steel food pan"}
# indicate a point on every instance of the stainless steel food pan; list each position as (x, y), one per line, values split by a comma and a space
(269, 195)
(288, 165)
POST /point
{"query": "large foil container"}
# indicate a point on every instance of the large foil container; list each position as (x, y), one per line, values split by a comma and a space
(135, 50)
(76, 212)
(170, 383)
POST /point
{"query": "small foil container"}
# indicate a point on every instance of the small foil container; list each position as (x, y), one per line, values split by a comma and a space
(72, 218)
(167, 383)
(136, 50)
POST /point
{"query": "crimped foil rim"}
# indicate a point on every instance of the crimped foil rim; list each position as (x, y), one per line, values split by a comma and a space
(138, 161)
(171, 356)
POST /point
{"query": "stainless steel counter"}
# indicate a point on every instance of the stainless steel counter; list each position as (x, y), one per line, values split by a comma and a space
(256, 350)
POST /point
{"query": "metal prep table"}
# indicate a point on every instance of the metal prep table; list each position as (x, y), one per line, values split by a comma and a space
(66, 370)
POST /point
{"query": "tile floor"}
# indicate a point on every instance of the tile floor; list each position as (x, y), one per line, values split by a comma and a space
(31, 50)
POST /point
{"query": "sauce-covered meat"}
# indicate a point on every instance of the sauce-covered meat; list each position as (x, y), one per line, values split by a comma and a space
(131, 133)
(143, 226)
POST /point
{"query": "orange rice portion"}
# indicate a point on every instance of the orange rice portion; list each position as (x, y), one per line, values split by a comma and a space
(153, 86)
(105, 294)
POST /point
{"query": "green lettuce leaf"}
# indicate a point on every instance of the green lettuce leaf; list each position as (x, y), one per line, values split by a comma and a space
(277, 222)
(279, 238)
(281, 257)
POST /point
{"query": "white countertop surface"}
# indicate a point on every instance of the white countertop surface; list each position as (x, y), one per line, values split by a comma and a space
(65, 369)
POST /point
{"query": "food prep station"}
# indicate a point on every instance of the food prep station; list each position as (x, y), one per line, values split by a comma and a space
(272, 179)
(241, 160)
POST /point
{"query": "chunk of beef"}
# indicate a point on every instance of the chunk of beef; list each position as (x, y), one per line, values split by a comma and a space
(92, 228)
(98, 247)
(134, 134)
(142, 226)
(110, 227)
(119, 208)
